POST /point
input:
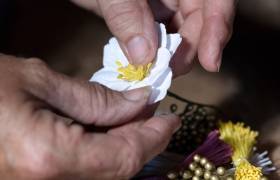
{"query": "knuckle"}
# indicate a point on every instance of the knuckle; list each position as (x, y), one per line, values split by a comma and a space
(37, 74)
(225, 28)
(93, 100)
(107, 104)
(35, 62)
(193, 11)
(39, 165)
(42, 166)
(94, 97)
(99, 99)
(36, 67)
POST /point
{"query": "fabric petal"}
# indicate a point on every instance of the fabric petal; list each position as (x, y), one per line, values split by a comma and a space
(162, 36)
(160, 74)
(160, 65)
(140, 84)
(160, 86)
(112, 53)
(173, 41)
(109, 79)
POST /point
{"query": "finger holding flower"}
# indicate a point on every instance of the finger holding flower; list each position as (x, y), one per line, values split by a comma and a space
(118, 74)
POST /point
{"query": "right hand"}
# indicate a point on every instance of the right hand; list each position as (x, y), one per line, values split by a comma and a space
(205, 25)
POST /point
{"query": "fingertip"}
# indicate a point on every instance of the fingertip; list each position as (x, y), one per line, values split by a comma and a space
(138, 49)
(166, 124)
(210, 58)
(141, 48)
(173, 121)
(140, 94)
(131, 104)
(132, 23)
(214, 37)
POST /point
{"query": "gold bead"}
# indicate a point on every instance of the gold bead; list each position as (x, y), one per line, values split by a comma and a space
(195, 178)
(207, 175)
(208, 166)
(196, 158)
(229, 178)
(264, 178)
(203, 161)
(181, 173)
(187, 175)
(172, 175)
(214, 177)
(192, 166)
(198, 171)
(221, 171)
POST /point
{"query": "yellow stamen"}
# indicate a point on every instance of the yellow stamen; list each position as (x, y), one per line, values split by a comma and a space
(133, 73)
(242, 140)
(246, 171)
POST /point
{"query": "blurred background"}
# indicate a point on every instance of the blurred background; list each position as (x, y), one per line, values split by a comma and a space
(71, 40)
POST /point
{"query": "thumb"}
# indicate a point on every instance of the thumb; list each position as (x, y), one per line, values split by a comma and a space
(131, 21)
(86, 102)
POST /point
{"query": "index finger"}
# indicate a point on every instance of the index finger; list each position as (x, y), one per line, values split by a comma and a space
(218, 17)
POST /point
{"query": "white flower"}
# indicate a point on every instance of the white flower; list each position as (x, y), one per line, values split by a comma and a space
(117, 71)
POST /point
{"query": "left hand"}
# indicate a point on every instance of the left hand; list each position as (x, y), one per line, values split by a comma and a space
(38, 143)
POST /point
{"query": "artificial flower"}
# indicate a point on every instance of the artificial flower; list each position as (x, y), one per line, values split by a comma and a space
(262, 160)
(119, 75)
(214, 149)
(241, 139)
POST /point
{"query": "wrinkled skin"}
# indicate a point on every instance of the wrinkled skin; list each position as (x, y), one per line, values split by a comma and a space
(205, 25)
(39, 109)
(39, 138)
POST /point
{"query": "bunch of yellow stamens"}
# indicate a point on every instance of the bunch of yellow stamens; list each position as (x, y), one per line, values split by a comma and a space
(242, 140)
(133, 73)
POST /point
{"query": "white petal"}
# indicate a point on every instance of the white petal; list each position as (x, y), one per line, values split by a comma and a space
(173, 41)
(162, 35)
(160, 86)
(160, 75)
(108, 57)
(112, 53)
(108, 78)
(139, 84)
(161, 63)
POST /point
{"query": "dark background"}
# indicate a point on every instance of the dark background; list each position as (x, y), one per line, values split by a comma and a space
(71, 40)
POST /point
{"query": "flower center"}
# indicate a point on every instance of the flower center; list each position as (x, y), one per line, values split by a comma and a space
(246, 171)
(133, 73)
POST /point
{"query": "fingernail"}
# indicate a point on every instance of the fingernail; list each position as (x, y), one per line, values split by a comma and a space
(160, 113)
(138, 94)
(138, 49)
(173, 116)
(218, 66)
(215, 54)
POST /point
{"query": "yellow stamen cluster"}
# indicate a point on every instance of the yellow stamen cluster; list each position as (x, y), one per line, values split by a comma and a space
(242, 140)
(246, 171)
(133, 73)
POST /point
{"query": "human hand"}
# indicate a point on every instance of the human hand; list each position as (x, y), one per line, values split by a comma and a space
(205, 25)
(38, 142)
